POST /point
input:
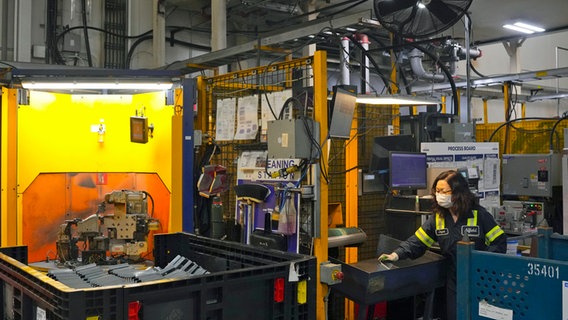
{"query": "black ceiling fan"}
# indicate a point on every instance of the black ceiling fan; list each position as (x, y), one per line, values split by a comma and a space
(419, 18)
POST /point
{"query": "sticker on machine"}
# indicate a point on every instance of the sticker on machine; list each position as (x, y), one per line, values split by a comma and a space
(493, 312)
(41, 314)
(564, 300)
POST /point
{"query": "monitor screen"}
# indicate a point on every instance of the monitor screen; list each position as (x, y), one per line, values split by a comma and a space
(341, 113)
(407, 170)
(382, 145)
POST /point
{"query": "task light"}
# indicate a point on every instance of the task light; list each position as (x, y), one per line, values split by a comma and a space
(109, 85)
(394, 100)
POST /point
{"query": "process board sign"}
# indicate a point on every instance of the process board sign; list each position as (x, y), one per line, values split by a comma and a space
(479, 157)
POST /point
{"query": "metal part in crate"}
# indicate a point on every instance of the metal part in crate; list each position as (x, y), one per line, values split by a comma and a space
(244, 283)
(500, 286)
(93, 275)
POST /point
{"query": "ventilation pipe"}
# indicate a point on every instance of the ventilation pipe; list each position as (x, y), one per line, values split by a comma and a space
(458, 53)
(344, 63)
(364, 41)
(415, 57)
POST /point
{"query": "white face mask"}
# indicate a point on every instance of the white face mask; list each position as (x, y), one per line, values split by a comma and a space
(444, 200)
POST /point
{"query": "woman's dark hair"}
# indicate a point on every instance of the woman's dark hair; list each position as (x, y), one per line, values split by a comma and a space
(462, 197)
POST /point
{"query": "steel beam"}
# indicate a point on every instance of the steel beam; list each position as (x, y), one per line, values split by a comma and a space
(498, 80)
(285, 38)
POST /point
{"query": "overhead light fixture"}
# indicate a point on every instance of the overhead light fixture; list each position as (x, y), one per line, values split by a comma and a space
(395, 100)
(95, 85)
(529, 26)
(523, 27)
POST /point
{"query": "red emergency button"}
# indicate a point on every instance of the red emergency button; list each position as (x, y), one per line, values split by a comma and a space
(337, 275)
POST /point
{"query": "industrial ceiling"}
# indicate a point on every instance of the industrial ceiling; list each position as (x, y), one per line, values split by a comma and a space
(250, 17)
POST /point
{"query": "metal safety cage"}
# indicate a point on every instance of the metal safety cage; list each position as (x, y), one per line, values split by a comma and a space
(295, 75)
(526, 136)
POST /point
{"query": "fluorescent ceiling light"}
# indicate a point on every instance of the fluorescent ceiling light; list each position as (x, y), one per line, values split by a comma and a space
(529, 26)
(519, 29)
(524, 27)
(394, 100)
(74, 85)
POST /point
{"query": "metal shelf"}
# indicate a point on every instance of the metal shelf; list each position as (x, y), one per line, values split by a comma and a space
(497, 80)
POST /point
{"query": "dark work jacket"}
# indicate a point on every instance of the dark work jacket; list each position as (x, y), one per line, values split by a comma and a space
(478, 224)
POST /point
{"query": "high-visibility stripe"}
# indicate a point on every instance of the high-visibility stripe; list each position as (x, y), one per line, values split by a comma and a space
(440, 223)
(472, 221)
(493, 234)
(424, 237)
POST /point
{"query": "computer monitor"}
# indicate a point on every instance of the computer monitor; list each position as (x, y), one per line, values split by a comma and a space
(341, 111)
(382, 145)
(407, 170)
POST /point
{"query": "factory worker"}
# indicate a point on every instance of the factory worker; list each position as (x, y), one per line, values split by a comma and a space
(457, 214)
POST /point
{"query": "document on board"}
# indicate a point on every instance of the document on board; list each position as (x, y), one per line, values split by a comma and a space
(491, 173)
(225, 119)
(493, 312)
(247, 118)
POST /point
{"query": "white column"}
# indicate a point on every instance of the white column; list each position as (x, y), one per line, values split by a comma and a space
(23, 31)
(512, 49)
(159, 33)
(219, 28)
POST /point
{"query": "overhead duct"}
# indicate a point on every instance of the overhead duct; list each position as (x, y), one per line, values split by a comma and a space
(455, 52)
(344, 63)
(415, 56)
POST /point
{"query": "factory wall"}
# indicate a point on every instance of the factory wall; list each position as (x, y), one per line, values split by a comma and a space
(141, 21)
(534, 54)
(66, 165)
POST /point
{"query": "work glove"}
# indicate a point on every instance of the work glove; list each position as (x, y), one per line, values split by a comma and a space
(389, 257)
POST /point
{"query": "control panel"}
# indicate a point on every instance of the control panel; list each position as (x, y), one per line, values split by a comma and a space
(532, 175)
(517, 217)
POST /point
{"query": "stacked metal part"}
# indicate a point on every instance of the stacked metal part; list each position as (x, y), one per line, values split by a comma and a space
(92, 275)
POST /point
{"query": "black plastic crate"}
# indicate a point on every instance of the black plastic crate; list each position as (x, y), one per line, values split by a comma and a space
(242, 284)
(242, 280)
(19, 253)
(29, 294)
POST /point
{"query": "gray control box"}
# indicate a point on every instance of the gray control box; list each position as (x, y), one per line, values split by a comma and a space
(292, 139)
(458, 132)
(531, 174)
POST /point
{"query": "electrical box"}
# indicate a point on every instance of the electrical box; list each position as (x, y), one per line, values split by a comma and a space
(72, 42)
(293, 139)
(425, 126)
(530, 174)
(458, 132)
(330, 273)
